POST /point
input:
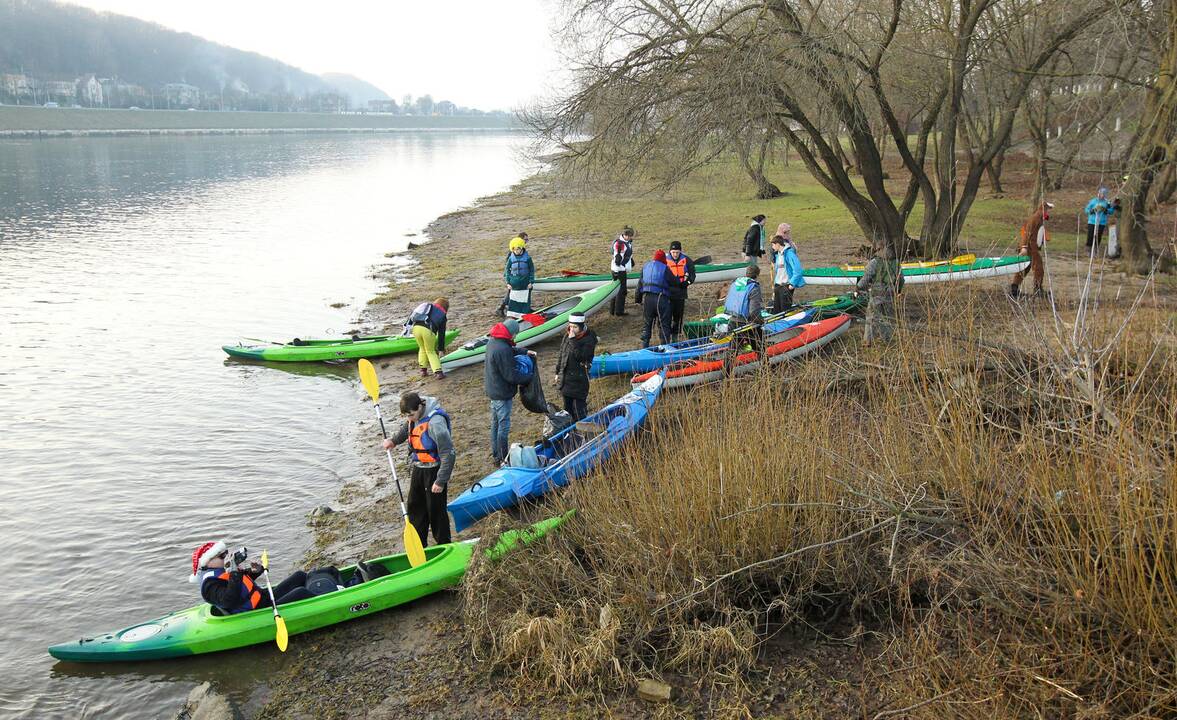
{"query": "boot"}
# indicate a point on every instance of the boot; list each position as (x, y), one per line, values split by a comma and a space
(424, 372)
(1013, 291)
(440, 375)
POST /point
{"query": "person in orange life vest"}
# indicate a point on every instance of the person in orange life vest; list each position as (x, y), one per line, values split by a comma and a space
(229, 585)
(683, 269)
(1032, 241)
(654, 296)
(431, 455)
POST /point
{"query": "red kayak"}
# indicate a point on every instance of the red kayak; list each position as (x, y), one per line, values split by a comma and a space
(796, 341)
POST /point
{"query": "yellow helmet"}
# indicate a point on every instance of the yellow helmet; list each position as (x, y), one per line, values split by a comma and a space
(517, 242)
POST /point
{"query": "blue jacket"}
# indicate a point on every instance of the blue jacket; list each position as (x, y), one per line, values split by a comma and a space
(519, 270)
(656, 278)
(787, 268)
(1098, 211)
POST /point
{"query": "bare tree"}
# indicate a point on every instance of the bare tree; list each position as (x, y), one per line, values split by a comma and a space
(655, 74)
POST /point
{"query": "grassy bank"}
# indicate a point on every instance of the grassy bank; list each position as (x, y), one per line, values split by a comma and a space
(17, 119)
(951, 521)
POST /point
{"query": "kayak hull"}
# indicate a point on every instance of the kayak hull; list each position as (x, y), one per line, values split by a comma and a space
(980, 268)
(826, 307)
(555, 322)
(803, 339)
(319, 350)
(196, 631)
(577, 283)
(508, 486)
(647, 359)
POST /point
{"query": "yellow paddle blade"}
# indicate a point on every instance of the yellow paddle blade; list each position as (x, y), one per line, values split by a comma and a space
(265, 558)
(368, 378)
(282, 638)
(965, 259)
(413, 547)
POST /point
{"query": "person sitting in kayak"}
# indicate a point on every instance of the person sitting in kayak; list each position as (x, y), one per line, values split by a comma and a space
(519, 272)
(431, 456)
(231, 586)
(743, 305)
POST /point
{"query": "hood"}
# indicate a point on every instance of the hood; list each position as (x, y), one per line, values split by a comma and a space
(431, 404)
(500, 332)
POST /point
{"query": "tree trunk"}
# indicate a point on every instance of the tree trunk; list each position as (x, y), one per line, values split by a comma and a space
(993, 171)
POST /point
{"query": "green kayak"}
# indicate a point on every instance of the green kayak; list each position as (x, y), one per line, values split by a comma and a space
(537, 326)
(349, 348)
(197, 630)
(827, 307)
(962, 267)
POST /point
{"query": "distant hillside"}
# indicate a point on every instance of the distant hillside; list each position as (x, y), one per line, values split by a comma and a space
(359, 92)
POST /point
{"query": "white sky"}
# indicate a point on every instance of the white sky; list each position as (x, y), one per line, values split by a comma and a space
(489, 54)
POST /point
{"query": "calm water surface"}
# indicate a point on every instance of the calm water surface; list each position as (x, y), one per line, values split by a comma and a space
(126, 436)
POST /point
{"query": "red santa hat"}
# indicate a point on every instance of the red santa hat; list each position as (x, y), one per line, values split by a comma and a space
(203, 554)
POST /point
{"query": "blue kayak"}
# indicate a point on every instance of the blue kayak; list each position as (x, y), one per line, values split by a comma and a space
(565, 456)
(647, 359)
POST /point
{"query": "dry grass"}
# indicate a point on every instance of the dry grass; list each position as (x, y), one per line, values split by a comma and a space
(1001, 519)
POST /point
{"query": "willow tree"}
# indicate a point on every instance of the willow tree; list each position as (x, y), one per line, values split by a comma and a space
(665, 82)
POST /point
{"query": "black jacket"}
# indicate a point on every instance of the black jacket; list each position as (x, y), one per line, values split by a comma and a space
(499, 376)
(576, 354)
(752, 245)
(678, 290)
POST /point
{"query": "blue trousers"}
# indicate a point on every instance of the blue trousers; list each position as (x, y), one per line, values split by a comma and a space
(500, 428)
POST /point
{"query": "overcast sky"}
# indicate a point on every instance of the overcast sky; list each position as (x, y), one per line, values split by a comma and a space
(481, 53)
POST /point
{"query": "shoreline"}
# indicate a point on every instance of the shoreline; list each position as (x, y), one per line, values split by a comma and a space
(182, 132)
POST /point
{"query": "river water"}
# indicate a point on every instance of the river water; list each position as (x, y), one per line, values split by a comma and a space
(126, 435)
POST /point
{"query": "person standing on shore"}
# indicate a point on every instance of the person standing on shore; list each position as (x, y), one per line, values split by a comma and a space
(431, 457)
(754, 240)
(654, 295)
(883, 279)
(787, 273)
(1098, 210)
(683, 270)
(501, 380)
(576, 354)
(519, 272)
(1033, 244)
(620, 264)
(428, 322)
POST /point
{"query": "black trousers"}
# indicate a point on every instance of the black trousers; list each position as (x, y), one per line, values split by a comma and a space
(576, 407)
(427, 508)
(1095, 234)
(782, 297)
(618, 305)
(753, 335)
(289, 590)
(655, 307)
(678, 306)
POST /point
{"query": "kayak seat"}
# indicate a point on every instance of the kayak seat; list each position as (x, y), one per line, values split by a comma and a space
(298, 343)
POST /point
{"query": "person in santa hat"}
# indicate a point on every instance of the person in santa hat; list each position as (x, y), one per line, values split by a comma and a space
(230, 585)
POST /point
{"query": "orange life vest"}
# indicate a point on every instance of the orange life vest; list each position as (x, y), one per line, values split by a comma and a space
(253, 596)
(421, 443)
(678, 267)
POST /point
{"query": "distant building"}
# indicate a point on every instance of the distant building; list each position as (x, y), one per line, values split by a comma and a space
(181, 95)
(89, 91)
(382, 106)
(62, 91)
(15, 85)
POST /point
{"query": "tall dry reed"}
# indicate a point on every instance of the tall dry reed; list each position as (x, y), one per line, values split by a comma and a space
(996, 501)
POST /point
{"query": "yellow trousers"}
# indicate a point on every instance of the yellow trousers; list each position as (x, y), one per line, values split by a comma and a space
(426, 347)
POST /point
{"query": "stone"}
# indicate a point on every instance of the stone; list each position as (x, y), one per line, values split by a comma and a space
(204, 703)
(653, 691)
(321, 511)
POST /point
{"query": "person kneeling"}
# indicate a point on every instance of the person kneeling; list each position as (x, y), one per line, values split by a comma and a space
(231, 586)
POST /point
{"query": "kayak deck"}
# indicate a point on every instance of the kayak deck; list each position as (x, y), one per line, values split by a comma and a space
(334, 349)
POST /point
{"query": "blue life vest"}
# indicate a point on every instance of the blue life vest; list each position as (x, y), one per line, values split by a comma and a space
(737, 297)
(654, 278)
(517, 265)
(422, 446)
(525, 366)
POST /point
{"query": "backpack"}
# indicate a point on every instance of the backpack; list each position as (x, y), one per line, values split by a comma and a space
(420, 314)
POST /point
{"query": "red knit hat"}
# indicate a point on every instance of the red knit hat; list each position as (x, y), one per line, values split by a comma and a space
(659, 256)
(203, 554)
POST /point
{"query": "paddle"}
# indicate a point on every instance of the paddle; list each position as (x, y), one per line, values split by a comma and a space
(413, 547)
(705, 260)
(282, 637)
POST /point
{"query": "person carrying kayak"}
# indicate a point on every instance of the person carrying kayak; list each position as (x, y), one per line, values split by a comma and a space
(519, 272)
(754, 240)
(428, 327)
(431, 456)
(501, 380)
(787, 273)
(884, 280)
(1032, 243)
(230, 585)
(683, 269)
(1098, 210)
(620, 264)
(654, 296)
(576, 355)
(743, 305)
